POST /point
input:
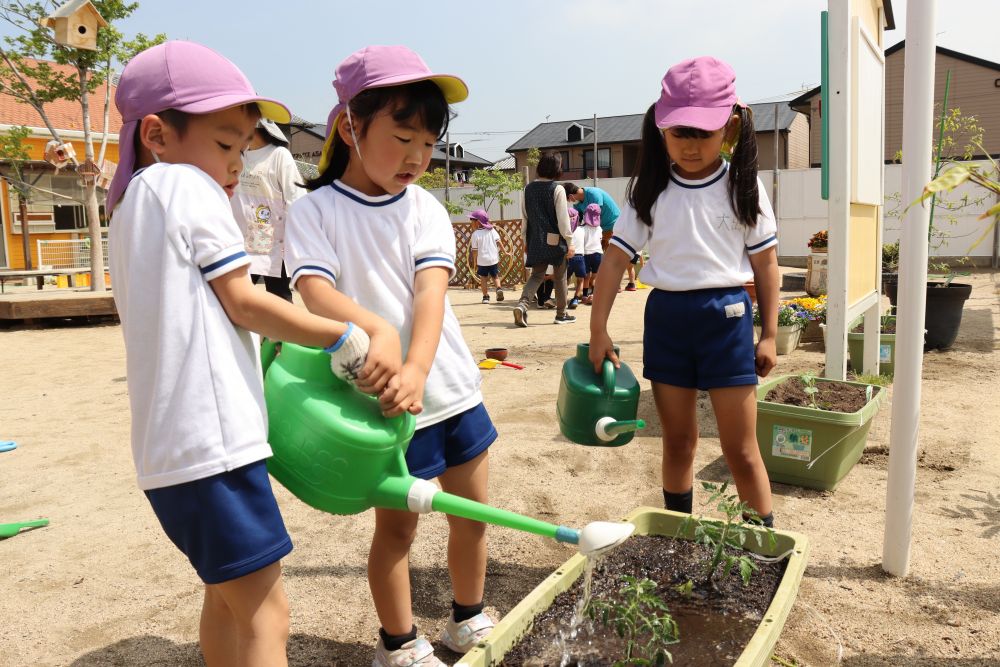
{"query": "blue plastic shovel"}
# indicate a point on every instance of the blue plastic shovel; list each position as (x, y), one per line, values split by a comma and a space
(7, 445)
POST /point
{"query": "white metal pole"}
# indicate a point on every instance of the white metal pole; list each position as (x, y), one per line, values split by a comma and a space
(918, 100)
(595, 150)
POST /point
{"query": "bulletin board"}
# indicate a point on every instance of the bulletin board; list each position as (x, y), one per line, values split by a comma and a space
(867, 73)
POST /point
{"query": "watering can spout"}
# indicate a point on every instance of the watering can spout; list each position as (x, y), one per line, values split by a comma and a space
(608, 428)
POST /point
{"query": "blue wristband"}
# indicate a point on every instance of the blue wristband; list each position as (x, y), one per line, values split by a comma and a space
(340, 341)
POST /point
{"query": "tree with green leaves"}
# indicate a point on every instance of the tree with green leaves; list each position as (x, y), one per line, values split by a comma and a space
(491, 185)
(15, 155)
(36, 70)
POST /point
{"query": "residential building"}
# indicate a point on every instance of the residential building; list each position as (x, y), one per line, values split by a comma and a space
(619, 137)
(56, 209)
(974, 88)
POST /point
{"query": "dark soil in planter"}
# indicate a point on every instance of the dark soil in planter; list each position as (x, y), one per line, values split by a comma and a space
(833, 396)
(714, 624)
(888, 327)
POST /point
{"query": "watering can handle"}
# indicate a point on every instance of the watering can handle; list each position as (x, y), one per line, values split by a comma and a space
(608, 376)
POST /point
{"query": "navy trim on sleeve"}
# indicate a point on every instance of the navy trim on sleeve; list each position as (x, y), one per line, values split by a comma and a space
(351, 195)
(225, 260)
(630, 248)
(763, 243)
(433, 259)
(313, 267)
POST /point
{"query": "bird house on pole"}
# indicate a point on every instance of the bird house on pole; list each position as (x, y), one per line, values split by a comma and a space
(75, 24)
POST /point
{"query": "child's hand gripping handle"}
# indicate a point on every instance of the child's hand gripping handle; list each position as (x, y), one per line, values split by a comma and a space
(348, 354)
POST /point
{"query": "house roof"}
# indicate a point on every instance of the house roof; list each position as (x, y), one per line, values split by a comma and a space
(623, 129)
(63, 114)
(469, 159)
(804, 98)
(508, 162)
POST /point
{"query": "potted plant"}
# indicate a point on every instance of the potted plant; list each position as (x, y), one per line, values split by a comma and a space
(959, 140)
(791, 321)
(886, 345)
(817, 267)
(814, 314)
(645, 596)
(890, 265)
(811, 431)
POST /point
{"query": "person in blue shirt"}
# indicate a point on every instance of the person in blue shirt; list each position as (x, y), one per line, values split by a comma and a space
(581, 197)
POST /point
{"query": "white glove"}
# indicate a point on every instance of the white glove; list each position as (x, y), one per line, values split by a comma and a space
(348, 354)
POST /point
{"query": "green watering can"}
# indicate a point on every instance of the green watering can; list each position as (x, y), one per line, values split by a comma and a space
(597, 409)
(335, 451)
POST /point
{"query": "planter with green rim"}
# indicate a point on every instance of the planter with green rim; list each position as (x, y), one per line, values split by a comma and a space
(886, 350)
(652, 521)
(809, 447)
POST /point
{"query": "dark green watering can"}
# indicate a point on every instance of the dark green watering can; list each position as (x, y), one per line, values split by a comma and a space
(597, 409)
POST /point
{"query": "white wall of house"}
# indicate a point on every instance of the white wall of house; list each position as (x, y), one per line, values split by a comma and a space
(802, 212)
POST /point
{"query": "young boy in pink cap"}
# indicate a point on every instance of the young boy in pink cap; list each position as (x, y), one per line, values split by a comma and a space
(187, 308)
(486, 248)
(369, 245)
(709, 229)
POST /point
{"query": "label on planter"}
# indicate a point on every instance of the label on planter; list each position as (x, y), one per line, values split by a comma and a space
(792, 443)
(884, 353)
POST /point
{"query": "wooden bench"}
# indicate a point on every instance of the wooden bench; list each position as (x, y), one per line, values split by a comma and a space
(39, 274)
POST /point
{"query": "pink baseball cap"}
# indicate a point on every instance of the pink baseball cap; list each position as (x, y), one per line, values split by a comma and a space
(379, 67)
(574, 218)
(178, 75)
(698, 93)
(592, 216)
(482, 217)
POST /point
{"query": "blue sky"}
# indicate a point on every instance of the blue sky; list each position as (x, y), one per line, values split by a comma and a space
(525, 61)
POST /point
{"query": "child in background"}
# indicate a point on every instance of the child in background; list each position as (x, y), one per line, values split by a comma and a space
(368, 245)
(709, 228)
(575, 265)
(592, 247)
(268, 185)
(187, 308)
(486, 249)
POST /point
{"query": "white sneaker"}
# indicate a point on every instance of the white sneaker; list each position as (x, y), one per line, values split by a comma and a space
(463, 637)
(416, 653)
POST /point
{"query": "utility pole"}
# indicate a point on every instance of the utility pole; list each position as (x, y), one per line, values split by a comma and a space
(447, 164)
(774, 174)
(595, 151)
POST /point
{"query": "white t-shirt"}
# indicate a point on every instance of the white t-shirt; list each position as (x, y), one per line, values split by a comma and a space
(591, 240)
(268, 184)
(194, 378)
(695, 241)
(371, 248)
(579, 240)
(486, 243)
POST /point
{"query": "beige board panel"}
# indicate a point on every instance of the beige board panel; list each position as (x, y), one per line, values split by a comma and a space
(864, 252)
(869, 13)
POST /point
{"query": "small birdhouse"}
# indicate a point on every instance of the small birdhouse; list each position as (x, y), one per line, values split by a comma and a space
(75, 24)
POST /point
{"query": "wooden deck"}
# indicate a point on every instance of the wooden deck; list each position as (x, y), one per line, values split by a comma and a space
(33, 304)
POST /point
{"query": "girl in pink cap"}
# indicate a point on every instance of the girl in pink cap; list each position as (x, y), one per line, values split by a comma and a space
(486, 249)
(709, 229)
(368, 245)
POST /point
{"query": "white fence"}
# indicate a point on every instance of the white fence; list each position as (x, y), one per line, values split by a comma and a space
(802, 212)
(68, 253)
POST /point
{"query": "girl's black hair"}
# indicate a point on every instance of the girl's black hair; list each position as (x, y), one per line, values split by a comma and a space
(549, 165)
(652, 170)
(423, 100)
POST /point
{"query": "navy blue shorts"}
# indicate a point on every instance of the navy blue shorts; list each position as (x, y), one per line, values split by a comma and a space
(228, 525)
(450, 443)
(491, 270)
(593, 262)
(691, 339)
(577, 266)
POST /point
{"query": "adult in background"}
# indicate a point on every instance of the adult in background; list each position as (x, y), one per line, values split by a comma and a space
(548, 237)
(582, 197)
(268, 185)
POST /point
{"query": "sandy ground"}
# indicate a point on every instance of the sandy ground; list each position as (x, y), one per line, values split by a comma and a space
(103, 586)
